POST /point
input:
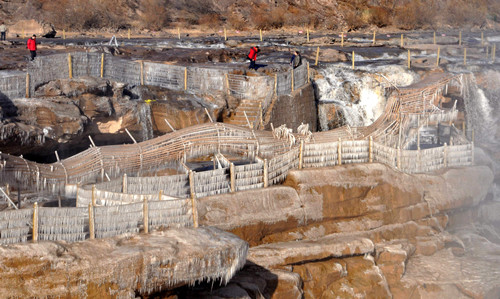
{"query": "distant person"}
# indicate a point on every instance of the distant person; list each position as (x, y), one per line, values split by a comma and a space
(3, 30)
(253, 57)
(296, 60)
(32, 46)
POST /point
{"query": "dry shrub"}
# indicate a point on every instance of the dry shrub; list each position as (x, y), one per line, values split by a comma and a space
(154, 14)
(460, 13)
(416, 14)
(380, 16)
(212, 20)
(354, 20)
(269, 19)
(236, 22)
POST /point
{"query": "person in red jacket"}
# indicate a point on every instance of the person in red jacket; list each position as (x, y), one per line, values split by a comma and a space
(32, 46)
(253, 57)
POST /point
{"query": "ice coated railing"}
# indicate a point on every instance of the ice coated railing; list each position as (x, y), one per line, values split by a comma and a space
(193, 79)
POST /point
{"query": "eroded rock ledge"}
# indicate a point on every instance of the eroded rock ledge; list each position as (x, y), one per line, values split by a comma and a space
(120, 267)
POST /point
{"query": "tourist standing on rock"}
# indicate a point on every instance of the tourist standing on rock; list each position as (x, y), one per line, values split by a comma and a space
(3, 30)
(32, 46)
(296, 60)
(253, 57)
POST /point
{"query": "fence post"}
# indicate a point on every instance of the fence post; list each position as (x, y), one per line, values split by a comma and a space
(374, 36)
(493, 52)
(402, 41)
(91, 222)
(128, 33)
(398, 158)
(225, 33)
(70, 66)
(482, 38)
(145, 215)
(339, 152)
(472, 153)
(191, 184)
(292, 80)
(352, 59)
(260, 32)
(193, 198)
(437, 59)
(301, 154)
(64, 34)
(460, 38)
(266, 174)
(178, 32)
(445, 155)
(27, 85)
(7, 189)
(124, 183)
(232, 177)
(409, 59)
(227, 83)
(93, 195)
(185, 78)
(342, 40)
(317, 56)
(142, 72)
(35, 222)
(102, 65)
(370, 150)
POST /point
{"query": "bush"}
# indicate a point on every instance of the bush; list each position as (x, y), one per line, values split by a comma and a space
(416, 14)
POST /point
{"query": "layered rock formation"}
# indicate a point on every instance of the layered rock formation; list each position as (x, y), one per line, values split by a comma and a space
(363, 231)
(120, 267)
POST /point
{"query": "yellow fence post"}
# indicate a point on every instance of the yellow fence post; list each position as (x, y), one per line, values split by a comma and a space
(70, 67)
(460, 38)
(93, 196)
(260, 32)
(102, 65)
(142, 72)
(374, 37)
(370, 150)
(35, 222)
(402, 41)
(342, 39)
(145, 215)
(178, 33)
(27, 85)
(91, 222)
(128, 33)
(64, 34)
(160, 194)
(317, 56)
(265, 174)
(124, 183)
(437, 59)
(409, 59)
(352, 59)
(24, 35)
(301, 154)
(339, 152)
(225, 33)
(232, 176)
(185, 78)
(227, 83)
(493, 52)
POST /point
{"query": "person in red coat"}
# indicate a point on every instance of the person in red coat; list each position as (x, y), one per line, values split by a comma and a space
(253, 57)
(32, 46)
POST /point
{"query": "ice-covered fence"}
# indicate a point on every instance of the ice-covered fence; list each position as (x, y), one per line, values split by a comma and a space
(47, 68)
(279, 166)
(354, 151)
(173, 185)
(249, 176)
(122, 70)
(460, 155)
(284, 80)
(211, 182)
(15, 226)
(320, 154)
(170, 213)
(86, 64)
(163, 75)
(116, 220)
(68, 224)
(384, 154)
(12, 85)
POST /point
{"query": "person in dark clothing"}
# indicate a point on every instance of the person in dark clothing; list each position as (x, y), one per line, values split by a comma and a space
(253, 57)
(296, 60)
(31, 45)
(3, 30)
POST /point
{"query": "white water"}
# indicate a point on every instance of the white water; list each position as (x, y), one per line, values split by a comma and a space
(359, 95)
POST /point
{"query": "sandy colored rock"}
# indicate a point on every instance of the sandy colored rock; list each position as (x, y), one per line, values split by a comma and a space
(120, 266)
